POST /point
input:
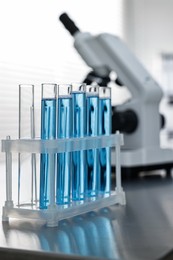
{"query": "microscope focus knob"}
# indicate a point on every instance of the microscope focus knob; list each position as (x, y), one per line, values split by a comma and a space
(125, 121)
(162, 120)
(119, 82)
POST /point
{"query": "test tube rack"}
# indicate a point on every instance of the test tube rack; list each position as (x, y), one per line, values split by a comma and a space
(54, 213)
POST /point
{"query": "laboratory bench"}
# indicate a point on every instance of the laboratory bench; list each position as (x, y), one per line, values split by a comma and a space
(143, 229)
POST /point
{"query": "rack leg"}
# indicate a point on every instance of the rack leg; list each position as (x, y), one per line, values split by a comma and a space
(118, 168)
(119, 189)
(9, 201)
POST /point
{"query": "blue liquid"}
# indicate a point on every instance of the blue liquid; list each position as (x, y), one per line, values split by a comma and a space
(92, 155)
(79, 158)
(48, 131)
(105, 125)
(64, 159)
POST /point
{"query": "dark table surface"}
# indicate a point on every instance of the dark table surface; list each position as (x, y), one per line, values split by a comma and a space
(143, 229)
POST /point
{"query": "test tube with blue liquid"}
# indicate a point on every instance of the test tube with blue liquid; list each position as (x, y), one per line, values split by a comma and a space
(79, 130)
(92, 168)
(48, 131)
(64, 130)
(105, 126)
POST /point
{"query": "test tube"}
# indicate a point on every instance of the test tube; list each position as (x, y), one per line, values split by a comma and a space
(79, 130)
(64, 130)
(93, 179)
(48, 131)
(105, 126)
(26, 130)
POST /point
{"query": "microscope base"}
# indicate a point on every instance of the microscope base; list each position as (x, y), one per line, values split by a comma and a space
(148, 159)
(132, 172)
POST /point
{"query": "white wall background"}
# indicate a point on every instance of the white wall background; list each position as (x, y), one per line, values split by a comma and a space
(32, 34)
(35, 47)
(148, 30)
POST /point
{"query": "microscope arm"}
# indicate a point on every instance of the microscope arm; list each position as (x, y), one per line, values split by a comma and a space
(105, 53)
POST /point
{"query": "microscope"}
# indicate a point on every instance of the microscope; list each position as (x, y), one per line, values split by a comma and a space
(138, 118)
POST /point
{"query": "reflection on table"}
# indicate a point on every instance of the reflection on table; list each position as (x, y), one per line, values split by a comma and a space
(90, 234)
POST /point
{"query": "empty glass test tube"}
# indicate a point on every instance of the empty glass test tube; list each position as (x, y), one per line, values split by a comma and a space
(27, 194)
(64, 130)
(48, 131)
(79, 130)
(105, 126)
(92, 168)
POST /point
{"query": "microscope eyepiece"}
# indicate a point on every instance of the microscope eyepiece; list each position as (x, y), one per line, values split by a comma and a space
(68, 23)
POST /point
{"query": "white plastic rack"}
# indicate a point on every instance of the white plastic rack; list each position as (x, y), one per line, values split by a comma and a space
(55, 213)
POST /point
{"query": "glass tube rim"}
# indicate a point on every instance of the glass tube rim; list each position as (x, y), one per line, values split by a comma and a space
(81, 87)
(69, 90)
(92, 93)
(103, 90)
(55, 90)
